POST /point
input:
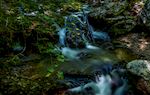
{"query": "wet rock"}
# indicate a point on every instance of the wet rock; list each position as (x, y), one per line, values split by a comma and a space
(141, 68)
(74, 31)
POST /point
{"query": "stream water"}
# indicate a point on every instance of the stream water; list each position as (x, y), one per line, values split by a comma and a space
(90, 69)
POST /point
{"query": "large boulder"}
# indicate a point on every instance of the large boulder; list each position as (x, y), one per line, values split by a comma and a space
(121, 16)
(117, 15)
(140, 68)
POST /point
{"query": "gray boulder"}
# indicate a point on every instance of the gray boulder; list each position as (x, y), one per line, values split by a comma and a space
(141, 68)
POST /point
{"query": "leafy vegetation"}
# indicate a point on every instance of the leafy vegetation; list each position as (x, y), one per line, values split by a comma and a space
(35, 21)
(30, 27)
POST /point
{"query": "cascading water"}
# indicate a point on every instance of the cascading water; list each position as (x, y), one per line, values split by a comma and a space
(76, 39)
(76, 32)
(106, 83)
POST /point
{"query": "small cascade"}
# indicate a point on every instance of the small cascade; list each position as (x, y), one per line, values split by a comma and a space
(78, 34)
(77, 31)
(110, 83)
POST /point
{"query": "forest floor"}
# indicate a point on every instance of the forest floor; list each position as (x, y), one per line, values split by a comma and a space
(26, 78)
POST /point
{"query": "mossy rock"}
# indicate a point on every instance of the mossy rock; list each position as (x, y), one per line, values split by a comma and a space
(116, 15)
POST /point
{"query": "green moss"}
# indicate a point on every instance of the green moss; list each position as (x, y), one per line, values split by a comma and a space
(76, 6)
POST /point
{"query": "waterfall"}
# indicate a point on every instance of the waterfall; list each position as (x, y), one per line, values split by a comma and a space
(77, 31)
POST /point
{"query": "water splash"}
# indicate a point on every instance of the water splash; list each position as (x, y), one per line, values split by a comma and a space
(101, 86)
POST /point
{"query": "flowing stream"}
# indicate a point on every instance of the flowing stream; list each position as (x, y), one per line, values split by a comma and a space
(90, 69)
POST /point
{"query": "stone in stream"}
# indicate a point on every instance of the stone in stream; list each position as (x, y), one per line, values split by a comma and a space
(140, 68)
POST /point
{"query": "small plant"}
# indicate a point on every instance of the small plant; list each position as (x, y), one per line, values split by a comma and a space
(54, 73)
